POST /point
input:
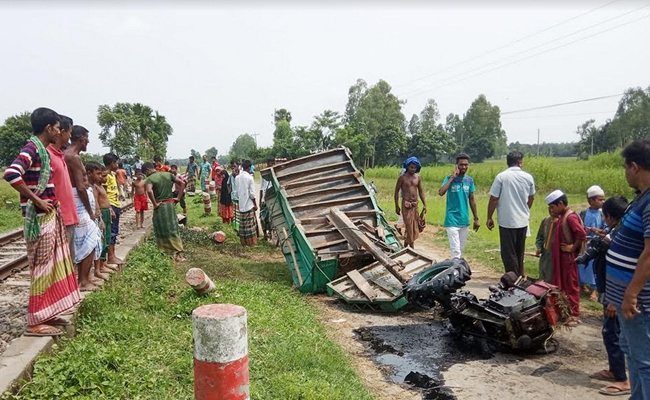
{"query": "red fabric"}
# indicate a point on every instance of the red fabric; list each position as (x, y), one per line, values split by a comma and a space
(120, 175)
(565, 269)
(163, 168)
(141, 203)
(215, 168)
(63, 186)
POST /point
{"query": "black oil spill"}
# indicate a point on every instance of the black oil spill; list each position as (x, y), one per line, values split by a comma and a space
(416, 354)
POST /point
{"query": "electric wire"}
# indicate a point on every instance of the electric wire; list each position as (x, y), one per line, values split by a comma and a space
(527, 57)
(507, 44)
(561, 104)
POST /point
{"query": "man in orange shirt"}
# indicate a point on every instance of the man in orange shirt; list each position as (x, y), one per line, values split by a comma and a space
(120, 175)
(160, 167)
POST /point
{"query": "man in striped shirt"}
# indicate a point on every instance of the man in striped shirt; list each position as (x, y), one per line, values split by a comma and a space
(628, 270)
(53, 287)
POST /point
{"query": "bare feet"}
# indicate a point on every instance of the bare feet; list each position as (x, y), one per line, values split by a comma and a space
(88, 288)
(101, 276)
(106, 270)
(111, 267)
(115, 261)
(594, 296)
(179, 258)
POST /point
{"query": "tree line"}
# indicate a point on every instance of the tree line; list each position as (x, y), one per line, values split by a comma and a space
(372, 126)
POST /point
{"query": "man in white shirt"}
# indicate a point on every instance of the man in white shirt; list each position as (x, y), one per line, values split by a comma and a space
(512, 195)
(247, 206)
(265, 215)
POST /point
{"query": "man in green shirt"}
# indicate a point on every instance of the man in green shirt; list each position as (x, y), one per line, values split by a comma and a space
(165, 223)
(460, 189)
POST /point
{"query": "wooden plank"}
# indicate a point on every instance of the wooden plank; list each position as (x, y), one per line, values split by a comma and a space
(327, 190)
(350, 232)
(330, 244)
(316, 181)
(325, 204)
(362, 284)
(309, 171)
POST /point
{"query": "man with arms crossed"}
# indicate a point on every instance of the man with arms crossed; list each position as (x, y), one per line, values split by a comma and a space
(512, 195)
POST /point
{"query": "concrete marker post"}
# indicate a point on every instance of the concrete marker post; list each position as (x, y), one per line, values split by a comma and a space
(199, 280)
(220, 352)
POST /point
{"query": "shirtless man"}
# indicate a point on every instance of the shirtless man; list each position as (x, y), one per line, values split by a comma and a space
(87, 236)
(411, 186)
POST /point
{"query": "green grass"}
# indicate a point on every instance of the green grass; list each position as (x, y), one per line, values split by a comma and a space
(10, 217)
(135, 336)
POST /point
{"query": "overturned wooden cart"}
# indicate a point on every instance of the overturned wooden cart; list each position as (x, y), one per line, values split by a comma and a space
(330, 226)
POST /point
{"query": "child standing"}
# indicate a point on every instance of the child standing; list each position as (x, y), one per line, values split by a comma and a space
(103, 220)
(113, 193)
(543, 244)
(226, 208)
(139, 199)
(594, 223)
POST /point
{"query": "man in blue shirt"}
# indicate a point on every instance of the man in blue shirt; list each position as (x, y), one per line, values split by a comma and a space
(460, 191)
(628, 270)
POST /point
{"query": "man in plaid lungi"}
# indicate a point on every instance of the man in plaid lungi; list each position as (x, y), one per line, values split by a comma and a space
(247, 206)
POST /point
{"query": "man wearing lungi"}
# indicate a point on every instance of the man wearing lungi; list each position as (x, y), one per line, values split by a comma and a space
(160, 187)
(411, 186)
(53, 287)
(247, 206)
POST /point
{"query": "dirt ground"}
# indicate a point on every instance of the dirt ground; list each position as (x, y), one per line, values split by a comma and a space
(563, 374)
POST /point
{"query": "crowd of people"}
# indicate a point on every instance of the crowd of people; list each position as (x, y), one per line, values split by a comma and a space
(603, 250)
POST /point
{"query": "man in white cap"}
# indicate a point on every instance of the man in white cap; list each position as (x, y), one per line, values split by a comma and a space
(594, 223)
(567, 241)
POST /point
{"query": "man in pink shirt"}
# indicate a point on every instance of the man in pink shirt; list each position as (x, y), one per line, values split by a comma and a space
(61, 178)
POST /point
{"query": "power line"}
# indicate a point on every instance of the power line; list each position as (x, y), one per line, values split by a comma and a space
(535, 47)
(508, 44)
(559, 115)
(531, 56)
(561, 104)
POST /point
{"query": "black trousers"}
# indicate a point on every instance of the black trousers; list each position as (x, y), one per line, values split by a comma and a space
(513, 245)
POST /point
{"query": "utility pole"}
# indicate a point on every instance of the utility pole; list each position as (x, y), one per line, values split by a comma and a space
(537, 142)
(255, 135)
(592, 143)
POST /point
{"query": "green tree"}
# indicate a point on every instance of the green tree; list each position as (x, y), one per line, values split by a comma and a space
(454, 128)
(281, 115)
(356, 141)
(306, 141)
(243, 148)
(356, 93)
(212, 152)
(130, 129)
(283, 140)
(196, 154)
(324, 126)
(482, 129)
(13, 136)
(414, 125)
(431, 140)
(632, 119)
(379, 115)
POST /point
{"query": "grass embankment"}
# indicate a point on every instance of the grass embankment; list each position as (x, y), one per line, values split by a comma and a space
(570, 175)
(135, 336)
(10, 217)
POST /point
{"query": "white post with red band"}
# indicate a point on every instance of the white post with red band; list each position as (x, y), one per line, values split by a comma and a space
(199, 281)
(220, 352)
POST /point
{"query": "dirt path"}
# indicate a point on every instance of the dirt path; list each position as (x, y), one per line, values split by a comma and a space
(563, 374)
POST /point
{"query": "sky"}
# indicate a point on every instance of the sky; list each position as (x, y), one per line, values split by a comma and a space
(217, 70)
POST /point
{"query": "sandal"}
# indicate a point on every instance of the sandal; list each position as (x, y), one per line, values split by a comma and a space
(42, 330)
(58, 321)
(614, 390)
(603, 375)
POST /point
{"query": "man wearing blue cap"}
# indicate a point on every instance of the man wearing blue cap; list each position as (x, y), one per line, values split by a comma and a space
(410, 185)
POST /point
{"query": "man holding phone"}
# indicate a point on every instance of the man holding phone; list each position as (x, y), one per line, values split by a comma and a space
(460, 189)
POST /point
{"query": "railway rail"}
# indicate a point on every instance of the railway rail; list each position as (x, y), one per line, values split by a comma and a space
(13, 254)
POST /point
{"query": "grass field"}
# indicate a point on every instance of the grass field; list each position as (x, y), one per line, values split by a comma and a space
(570, 175)
(135, 335)
(10, 217)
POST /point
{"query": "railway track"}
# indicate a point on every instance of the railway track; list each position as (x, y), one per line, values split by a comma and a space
(13, 254)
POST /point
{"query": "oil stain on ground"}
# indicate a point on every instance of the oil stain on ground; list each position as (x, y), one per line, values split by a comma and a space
(416, 354)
